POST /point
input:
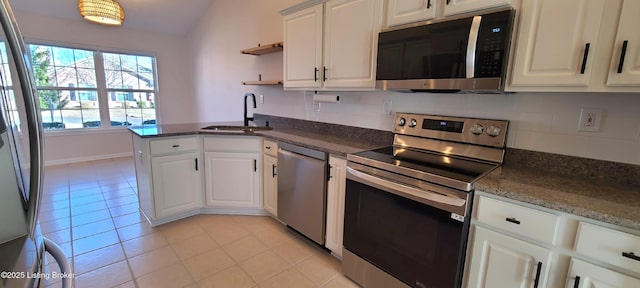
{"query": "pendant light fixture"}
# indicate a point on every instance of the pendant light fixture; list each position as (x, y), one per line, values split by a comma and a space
(106, 12)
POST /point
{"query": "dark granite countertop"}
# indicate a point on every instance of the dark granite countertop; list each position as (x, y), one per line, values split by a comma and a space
(332, 144)
(556, 182)
(605, 201)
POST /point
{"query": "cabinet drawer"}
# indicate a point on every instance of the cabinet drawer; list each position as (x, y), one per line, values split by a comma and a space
(173, 145)
(232, 143)
(270, 148)
(527, 222)
(611, 246)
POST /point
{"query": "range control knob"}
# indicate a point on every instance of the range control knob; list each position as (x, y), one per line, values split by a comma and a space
(401, 122)
(477, 129)
(413, 123)
(493, 131)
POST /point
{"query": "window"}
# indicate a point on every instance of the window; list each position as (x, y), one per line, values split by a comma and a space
(89, 89)
(6, 87)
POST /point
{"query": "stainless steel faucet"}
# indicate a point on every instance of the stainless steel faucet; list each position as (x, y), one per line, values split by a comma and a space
(253, 96)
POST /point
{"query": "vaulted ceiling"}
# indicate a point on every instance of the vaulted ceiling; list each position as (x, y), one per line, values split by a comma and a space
(163, 16)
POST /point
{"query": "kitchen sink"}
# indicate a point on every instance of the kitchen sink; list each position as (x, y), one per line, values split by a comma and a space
(235, 129)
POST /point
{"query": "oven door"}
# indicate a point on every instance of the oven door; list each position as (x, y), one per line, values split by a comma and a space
(393, 227)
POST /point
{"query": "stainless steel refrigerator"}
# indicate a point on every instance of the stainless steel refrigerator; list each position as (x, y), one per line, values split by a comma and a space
(22, 246)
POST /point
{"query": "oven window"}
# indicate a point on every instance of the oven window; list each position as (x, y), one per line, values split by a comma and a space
(416, 243)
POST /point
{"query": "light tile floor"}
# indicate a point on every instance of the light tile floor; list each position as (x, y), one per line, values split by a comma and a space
(91, 210)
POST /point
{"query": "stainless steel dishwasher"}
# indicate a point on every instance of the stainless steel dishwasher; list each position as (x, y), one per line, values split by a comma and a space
(302, 190)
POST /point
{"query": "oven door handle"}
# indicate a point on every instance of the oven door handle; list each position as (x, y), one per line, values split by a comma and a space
(407, 191)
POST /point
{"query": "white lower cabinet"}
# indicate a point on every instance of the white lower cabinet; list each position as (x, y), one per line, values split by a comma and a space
(587, 275)
(232, 172)
(177, 184)
(335, 204)
(169, 177)
(502, 261)
(510, 240)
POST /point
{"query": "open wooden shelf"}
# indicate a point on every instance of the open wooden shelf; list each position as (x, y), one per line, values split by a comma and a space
(268, 82)
(264, 49)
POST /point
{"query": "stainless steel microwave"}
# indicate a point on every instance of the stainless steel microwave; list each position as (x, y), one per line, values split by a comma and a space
(466, 54)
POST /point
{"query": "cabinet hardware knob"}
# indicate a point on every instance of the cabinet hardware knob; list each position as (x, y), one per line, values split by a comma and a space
(537, 280)
(273, 171)
(268, 147)
(630, 255)
(512, 220)
(584, 58)
(428, 4)
(623, 53)
(175, 146)
(324, 74)
(315, 74)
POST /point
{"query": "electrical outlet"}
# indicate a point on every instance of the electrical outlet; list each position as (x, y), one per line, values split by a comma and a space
(590, 120)
(261, 99)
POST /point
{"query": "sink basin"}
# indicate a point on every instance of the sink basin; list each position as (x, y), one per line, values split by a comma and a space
(235, 129)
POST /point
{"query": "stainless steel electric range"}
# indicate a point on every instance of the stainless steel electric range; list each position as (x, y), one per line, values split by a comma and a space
(407, 206)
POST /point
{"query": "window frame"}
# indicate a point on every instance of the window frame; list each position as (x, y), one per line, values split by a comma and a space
(101, 89)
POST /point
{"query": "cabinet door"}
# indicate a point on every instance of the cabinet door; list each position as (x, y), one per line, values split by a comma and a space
(303, 48)
(232, 179)
(500, 261)
(335, 204)
(460, 6)
(177, 185)
(586, 275)
(557, 42)
(270, 184)
(407, 11)
(351, 38)
(625, 67)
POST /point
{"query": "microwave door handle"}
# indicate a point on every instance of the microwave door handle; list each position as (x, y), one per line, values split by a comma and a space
(471, 46)
(404, 190)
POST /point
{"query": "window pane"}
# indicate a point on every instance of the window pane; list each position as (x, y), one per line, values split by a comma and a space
(63, 67)
(69, 109)
(132, 108)
(129, 71)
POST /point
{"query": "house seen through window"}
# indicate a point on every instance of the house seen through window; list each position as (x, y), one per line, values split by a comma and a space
(89, 89)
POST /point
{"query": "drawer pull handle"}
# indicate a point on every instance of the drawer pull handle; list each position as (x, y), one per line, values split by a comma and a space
(175, 146)
(512, 220)
(576, 284)
(630, 255)
(267, 147)
(537, 280)
(273, 171)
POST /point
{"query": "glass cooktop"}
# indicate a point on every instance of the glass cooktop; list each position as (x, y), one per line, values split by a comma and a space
(423, 164)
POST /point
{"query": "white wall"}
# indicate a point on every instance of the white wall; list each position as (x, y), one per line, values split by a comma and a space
(544, 122)
(219, 67)
(175, 102)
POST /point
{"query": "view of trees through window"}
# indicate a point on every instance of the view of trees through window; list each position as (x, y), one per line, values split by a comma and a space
(71, 83)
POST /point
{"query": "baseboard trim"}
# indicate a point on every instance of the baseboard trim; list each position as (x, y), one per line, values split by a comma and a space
(86, 159)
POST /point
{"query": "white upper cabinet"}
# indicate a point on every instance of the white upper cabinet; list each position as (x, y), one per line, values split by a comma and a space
(461, 6)
(303, 48)
(577, 45)
(625, 61)
(407, 11)
(332, 45)
(557, 42)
